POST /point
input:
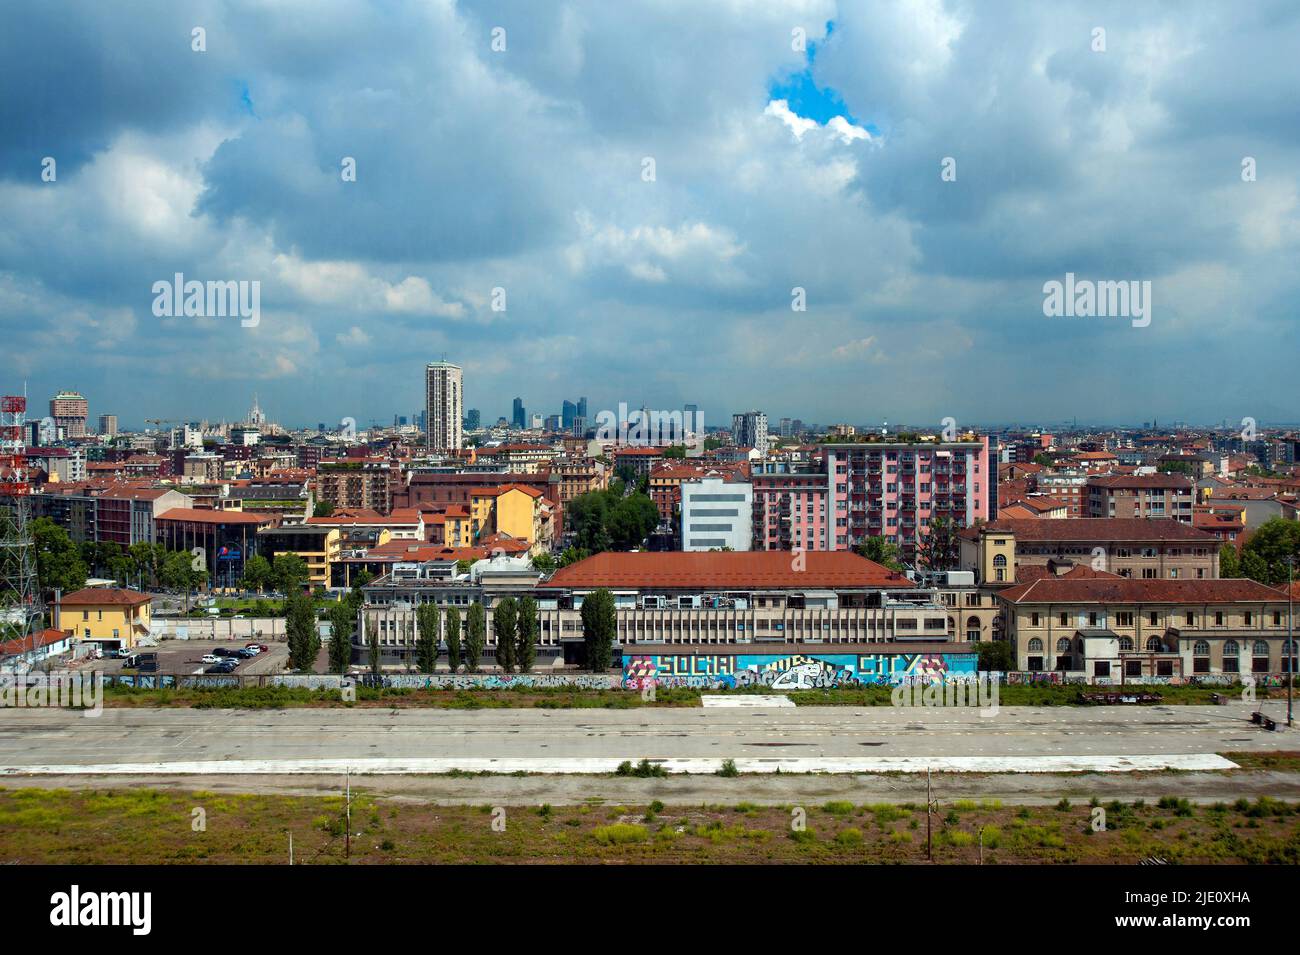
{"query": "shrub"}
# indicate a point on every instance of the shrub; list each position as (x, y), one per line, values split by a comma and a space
(619, 833)
(728, 768)
(838, 808)
(850, 837)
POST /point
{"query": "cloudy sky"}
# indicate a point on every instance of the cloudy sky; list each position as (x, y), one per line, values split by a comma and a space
(648, 182)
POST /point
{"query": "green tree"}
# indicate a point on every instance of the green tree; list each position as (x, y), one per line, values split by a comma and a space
(881, 550)
(1176, 467)
(543, 562)
(341, 618)
(572, 555)
(453, 639)
(504, 618)
(526, 654)
(598, 625)
(1229, 562)
(322, 509)
(1254, 566)
(475, 635)
(1273, 541)
(427, 618)
(58, 560)
(995, 655)
(290, 572)
(300, 626)
(258, 574)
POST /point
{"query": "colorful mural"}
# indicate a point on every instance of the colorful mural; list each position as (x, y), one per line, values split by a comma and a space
(794, 671)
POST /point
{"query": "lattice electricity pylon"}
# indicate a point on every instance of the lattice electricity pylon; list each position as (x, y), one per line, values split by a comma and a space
(21, 612)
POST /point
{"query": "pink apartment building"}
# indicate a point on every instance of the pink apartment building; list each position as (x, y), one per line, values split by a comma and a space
(894, 490)
(791, 509)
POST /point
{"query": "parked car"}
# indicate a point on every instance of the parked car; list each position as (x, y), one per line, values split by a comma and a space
(210, 658)
(259, 647)
(217, 668)
(224, 652)
(245, 654)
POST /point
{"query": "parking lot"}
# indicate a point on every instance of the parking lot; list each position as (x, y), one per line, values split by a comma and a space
(186, 656)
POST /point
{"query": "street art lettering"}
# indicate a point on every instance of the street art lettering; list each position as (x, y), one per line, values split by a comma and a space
(795, 671)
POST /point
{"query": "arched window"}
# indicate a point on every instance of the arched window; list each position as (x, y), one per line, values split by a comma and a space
(1261, 648)
(1125, 643)
(1289, 646)
(1230, 648)
(1063, 645)
(1000, 560)
(1201, 648)
(1035, 645)
(1154, 645)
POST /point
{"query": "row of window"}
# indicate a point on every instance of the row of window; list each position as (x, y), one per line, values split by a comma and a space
(1125, 618)
(1155, 645)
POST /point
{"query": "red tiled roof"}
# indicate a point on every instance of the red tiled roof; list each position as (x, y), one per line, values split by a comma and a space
(1124, 590)
(1095, 529)
(1028, 573)
(1140, 481)
(34, 642)
(727, 570)
(206, 516)
(104, 597)
(502, 489)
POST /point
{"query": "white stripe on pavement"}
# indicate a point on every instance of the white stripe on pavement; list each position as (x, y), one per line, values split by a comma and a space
(725, 702)
(577, 766)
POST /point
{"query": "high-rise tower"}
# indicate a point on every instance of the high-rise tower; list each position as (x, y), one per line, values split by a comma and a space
(444, 406)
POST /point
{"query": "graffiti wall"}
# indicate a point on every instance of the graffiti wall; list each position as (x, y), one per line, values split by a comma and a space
(462, 681)
(795, 671)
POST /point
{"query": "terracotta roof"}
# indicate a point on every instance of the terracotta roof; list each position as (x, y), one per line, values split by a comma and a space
(208, 516)
(502, 489)
(129, 492)
(1126, 590)
(727, 570)
(1140, 481)
(33, 642)
(1028, 573)
(1095, 529)
(104, 597)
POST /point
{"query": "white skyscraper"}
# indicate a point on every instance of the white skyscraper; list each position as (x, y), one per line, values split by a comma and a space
(443, 405)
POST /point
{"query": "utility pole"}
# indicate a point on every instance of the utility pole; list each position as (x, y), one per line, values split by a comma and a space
(1289, 560)
(347, 806)
(291, 847)
(929, 810)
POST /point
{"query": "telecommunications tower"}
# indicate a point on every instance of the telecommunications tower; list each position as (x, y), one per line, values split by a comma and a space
(21, 612)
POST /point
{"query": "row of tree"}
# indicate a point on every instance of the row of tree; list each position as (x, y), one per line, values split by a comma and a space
(64, 565)
(514, 624)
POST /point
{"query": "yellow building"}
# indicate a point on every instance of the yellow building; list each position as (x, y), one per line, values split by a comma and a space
(111, 616)
(514, 509)
(318, 545)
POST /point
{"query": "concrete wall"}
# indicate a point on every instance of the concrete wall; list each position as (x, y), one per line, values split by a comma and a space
(217, 628)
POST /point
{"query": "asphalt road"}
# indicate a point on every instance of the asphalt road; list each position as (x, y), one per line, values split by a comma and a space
(291, 740)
